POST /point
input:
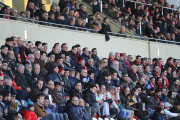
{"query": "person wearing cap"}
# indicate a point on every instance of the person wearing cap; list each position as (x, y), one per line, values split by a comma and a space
(9, 43)
(54, 75)
(81, 64)
(29, 114)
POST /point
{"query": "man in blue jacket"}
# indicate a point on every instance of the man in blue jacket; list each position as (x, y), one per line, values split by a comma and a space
(54, 75)
(75, 112)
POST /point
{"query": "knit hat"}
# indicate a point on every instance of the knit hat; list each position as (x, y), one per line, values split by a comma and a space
(30, 103)
(9, 39)
(45, 89)
(60, 68)
(121, 54)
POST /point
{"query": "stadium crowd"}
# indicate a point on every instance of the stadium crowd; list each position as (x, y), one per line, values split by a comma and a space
(154, 21)
(74, 84)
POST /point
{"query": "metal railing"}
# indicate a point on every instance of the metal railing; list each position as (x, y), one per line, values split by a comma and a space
(152, 5)
(93, 30)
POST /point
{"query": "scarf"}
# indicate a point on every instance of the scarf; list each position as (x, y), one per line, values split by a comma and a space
(157, 99)
(165, 78)
(157, 74)
(153, 86)
(24, 78)
(111, 59)
(1, 74)
(137, 62)
(147, 72)
(29, 73)
(19, 58)
(85, 68)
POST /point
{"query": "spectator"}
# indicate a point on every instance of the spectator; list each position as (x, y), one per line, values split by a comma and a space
(28, 75)
(76, 91)
(174, 85)
(105, 24)
(6, 12)
(13, 14)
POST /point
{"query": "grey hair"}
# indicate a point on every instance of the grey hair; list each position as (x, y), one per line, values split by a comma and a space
(44, 13)
(35, 51)
(12, 10)
(113, 87)
(111, 53)
(133, 66)
(90, 59)
(27, 65)
(20, 65)
(129, 56)
(30, 55)
(115, 62)
(53, 6)
(35, 65)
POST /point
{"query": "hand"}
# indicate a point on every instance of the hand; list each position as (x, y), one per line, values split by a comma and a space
(35, 79)
(149, 109)
(62, 83)
(67, 98)
(5, 111)
(19, 116)
(118, 110)
(28, 89)
(39, 118)
(87, 104)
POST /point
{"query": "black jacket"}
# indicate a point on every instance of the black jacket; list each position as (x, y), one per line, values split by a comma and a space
(96, 60)
(74, 92)
(34, 91)
(125, 101)
(30, 80)
(148, 102)
(20, 81)
(89, 97)
(106, 27)
(5, 57)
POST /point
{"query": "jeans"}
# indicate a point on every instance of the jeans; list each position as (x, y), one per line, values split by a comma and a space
(105, 106)
(96, 105)
(50, 116)
(124, 114)
(115, 111)
(62, 109)
(151, 114)
(63, 116)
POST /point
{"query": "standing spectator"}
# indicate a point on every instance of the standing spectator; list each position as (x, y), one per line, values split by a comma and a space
(95, 57)
(85, 54)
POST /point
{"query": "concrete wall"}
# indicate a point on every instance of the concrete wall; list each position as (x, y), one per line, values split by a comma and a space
(52, 35)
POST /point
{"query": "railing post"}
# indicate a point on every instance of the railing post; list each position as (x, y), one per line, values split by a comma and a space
(123, 3)
(162, 10)
(135, 5)
(101, 6)
(140, 29)
(177, 3)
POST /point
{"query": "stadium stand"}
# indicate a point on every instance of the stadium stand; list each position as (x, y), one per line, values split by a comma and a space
(58, 77)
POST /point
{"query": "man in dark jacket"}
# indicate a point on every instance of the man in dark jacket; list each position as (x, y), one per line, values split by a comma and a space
(28, 74)
(156, 98)
(37, 89)
(133, 72)
(20, 78)
(61, 20)
(36, 73)
(53, 75)
(81, 65)
(90, 66)
(9, 43)
(95, 57)
(83, 14)
(76, 91)
(85, 54)
(75, 112)
(174, 85)
(6, 104)
(4, 51)
(137, 61)
(175, 109)
(72, 56)
(90, 98)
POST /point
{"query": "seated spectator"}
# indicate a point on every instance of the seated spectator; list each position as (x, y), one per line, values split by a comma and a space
(51, 18)
(76, 91)
(105, 79)
(29, 114)
(72, 23)
(37, 89)
(54, 76)
(159, 114)
(45, 19)
(28, 75)
(72, 56)
(61, 20)
(72, 4)
(7, 85)
(40, 111)
(90, 98)
(81, 65)
(6, 12)
(174, 85)
(133, 71)
(4, 51)
(20, 79)
(90, 66)
(114, 67)
(67, 81)
(13, 14)
(7, 72)
(105, 25)
(9, 113)
(71, 14)
(73, 107)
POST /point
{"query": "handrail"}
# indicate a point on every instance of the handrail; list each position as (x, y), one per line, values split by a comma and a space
(151, 4)
(110, 33)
